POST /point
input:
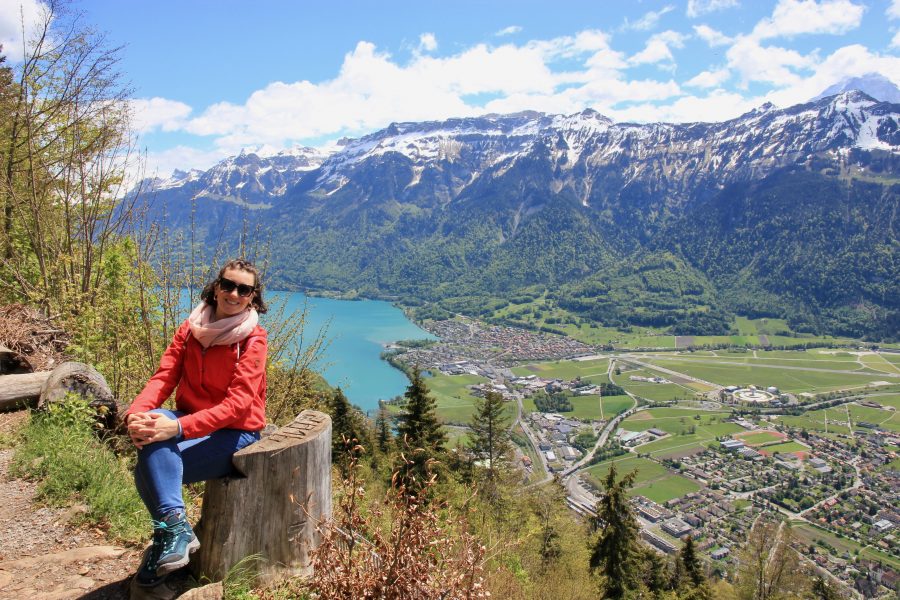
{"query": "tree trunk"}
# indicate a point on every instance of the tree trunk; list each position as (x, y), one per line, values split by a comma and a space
(83, 380)
(273, 512)
(18, 391)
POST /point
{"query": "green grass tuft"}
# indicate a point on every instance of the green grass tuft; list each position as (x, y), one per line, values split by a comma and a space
(60, 449)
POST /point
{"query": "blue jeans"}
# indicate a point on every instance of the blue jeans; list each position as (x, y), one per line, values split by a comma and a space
(162, 467)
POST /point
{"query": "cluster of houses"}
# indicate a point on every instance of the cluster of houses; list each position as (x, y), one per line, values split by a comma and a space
(470, 346)
(699, 515)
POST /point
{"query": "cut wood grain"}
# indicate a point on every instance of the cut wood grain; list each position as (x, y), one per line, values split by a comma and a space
(274, 510)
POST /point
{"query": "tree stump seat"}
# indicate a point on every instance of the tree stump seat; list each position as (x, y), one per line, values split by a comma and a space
(271, 513)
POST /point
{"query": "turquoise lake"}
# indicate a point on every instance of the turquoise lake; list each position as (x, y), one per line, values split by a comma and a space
(356, 334)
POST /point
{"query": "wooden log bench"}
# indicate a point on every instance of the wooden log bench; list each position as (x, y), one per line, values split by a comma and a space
(272, 512)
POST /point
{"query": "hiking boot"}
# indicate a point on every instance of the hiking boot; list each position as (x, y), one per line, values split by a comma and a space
(146, 575)
(178, 542)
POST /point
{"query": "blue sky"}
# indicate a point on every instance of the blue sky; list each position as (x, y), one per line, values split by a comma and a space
(213, 77)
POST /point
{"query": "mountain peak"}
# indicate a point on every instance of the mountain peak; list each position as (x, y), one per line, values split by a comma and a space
(874, 85)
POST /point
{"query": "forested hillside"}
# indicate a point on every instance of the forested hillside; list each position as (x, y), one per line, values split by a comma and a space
(779, 213)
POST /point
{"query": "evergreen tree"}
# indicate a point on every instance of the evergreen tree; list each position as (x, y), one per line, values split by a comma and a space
(656, 576)
(616, 554)
(693, 567)
(693, 585)
(420, 433)
(383, 436)
(346, 431)
(490, 434)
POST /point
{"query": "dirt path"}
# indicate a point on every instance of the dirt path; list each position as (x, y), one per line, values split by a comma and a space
(44, 558)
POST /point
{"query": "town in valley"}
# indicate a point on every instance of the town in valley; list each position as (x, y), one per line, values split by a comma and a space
(717, 434)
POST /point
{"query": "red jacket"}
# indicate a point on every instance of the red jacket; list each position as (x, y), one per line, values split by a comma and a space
(219, 387)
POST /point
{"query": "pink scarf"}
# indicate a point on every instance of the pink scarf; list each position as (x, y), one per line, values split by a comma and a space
(223, 332)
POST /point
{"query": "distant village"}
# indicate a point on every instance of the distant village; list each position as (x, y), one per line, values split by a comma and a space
(839, 485)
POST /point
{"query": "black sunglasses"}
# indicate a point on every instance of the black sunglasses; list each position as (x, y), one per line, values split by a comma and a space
(228, 286)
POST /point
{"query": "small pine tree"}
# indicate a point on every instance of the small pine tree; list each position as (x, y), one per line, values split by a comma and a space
(694, 585)
(383, 436)
(420, 432)
(616, 553)
(693, 568)
(344, 427)
(490, 435)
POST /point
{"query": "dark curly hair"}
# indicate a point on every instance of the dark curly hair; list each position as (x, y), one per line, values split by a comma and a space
(209, 292)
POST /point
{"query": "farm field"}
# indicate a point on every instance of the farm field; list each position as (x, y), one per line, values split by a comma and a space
(677, 445)
(653, 480)
(815, 421)
(456, 436)
(591, 370)
(887, 400)
(788, 380)
(785, 448)
(454, 402)
(878, 362)
(670, 420)
(587, 408)
(887, 419)
(808, 533)
(747, 326)
(757, 438)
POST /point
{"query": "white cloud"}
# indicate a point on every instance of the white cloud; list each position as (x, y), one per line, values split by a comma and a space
(512, 29)
(648, 21)
(372, 90)
(427, 42)
(12, 15)
(696, 8)
(895, 43)
(795, 17)
(711, 36)
(709, 79)
(658, 48)
(850, 61)
(893, 11)
(767, 64)
(153, 113)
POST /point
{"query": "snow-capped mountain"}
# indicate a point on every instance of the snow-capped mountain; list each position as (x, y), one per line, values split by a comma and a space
(875, 85)
(779, 212)
(671, 158)
(252, 178)
(674, 159)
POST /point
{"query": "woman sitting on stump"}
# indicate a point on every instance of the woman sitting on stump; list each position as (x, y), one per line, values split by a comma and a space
(217, 359)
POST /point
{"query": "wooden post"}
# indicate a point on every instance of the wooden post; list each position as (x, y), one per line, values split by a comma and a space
(273, 512)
